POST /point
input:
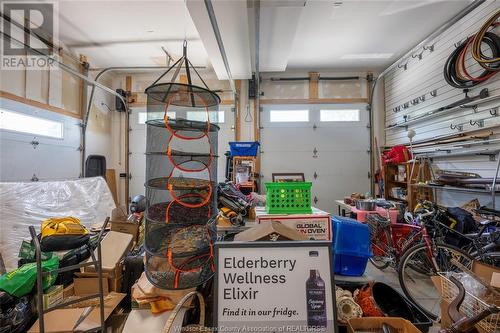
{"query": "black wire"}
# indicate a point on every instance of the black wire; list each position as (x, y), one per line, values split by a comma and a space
(450, 70)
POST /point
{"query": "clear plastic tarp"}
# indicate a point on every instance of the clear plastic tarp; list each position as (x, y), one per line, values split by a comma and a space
(28, 203)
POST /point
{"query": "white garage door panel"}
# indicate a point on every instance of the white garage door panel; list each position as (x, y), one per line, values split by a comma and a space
(51, 159)
(344, 163)
(20, 161)
(330, 188)
(341, 163)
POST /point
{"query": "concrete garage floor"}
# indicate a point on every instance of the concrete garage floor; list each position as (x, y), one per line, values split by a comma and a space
(390, 277)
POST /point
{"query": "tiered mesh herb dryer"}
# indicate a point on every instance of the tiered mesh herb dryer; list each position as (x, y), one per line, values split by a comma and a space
(181, 173)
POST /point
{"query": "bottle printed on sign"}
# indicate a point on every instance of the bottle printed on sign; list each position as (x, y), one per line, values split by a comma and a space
(316, 300)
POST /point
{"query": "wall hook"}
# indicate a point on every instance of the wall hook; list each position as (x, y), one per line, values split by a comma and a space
(434, 93)
(403, 66)
(422, 98)
(458, 127)
(479, 123)
(494, 111)
(417, 55)
(430, 48)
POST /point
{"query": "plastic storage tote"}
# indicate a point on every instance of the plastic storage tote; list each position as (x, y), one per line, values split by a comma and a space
(242, 148)
(351, 246)
(288, 198)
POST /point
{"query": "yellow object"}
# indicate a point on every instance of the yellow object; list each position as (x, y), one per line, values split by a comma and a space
(161, 305)
(228, 212)
(63, 226)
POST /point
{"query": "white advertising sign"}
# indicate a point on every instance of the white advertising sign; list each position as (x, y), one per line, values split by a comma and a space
(274, 287)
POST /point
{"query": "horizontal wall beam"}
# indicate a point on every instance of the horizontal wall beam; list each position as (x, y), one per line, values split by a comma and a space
(40, 105)
(316, 101)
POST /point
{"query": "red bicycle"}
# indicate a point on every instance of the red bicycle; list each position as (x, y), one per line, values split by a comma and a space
(389, 241)
(418, 253)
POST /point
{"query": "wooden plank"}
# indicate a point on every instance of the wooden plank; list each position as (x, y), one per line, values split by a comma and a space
(237, 118)
(313, 85)
(315, 101)
(37, 104)
(144, 103)
(111, 180)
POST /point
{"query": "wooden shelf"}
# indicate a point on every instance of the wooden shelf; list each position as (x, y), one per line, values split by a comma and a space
(398, 182)
(421, 172)
(396, 199)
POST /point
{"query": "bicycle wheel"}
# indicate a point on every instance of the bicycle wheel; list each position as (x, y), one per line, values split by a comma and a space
(416, 270)
(380, 240)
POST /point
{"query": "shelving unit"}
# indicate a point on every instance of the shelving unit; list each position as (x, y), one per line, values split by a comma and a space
(492, 190)
(96, 262)
(244, 161)
(421, 172)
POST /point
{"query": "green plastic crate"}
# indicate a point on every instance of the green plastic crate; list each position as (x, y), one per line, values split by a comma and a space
(288, 198)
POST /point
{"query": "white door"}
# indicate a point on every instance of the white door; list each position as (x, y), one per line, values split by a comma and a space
(328, 143)
(138, 145)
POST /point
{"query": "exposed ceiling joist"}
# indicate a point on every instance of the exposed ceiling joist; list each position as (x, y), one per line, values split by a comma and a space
(232, 23)
(279, 21)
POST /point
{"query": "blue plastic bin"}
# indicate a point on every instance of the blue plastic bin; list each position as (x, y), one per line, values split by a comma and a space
(351, 246)
(243, 148)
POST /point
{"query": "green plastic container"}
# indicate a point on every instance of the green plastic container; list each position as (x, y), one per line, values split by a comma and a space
(288, 198)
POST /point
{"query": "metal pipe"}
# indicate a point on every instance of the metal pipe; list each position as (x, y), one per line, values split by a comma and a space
(44, 40)
(66, 68)
(321, 78)
(218, 38)
(493, 185)
(94, 69)
(83, 126)
(94, 84)
(257, 81)
(39, 277)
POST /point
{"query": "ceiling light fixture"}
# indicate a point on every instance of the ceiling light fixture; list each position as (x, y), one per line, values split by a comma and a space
(367, 56)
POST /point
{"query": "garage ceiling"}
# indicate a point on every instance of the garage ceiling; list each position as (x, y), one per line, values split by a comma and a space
(129, 33)
(294, 34)
(355, 34)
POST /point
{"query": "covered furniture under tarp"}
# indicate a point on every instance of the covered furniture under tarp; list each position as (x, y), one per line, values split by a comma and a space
(28, 203)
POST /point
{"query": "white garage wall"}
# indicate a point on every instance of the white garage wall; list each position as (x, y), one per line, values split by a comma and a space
(423, 76)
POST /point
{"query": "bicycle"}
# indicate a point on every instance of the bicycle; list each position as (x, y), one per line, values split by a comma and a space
(389, 241)
(421, 262)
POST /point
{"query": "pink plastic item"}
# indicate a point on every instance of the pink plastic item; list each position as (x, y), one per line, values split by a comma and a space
(361, 214)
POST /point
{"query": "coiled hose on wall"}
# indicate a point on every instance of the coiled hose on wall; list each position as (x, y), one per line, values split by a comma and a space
(456, 72)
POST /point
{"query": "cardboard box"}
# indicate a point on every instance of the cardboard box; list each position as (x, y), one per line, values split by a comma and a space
(316, 226)
(64, 320)
(115, 284)
(272, 231)
(114, 246)
(89, 285)
(53, 296)
(126, 228)
(69, 291)
(374, 324)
